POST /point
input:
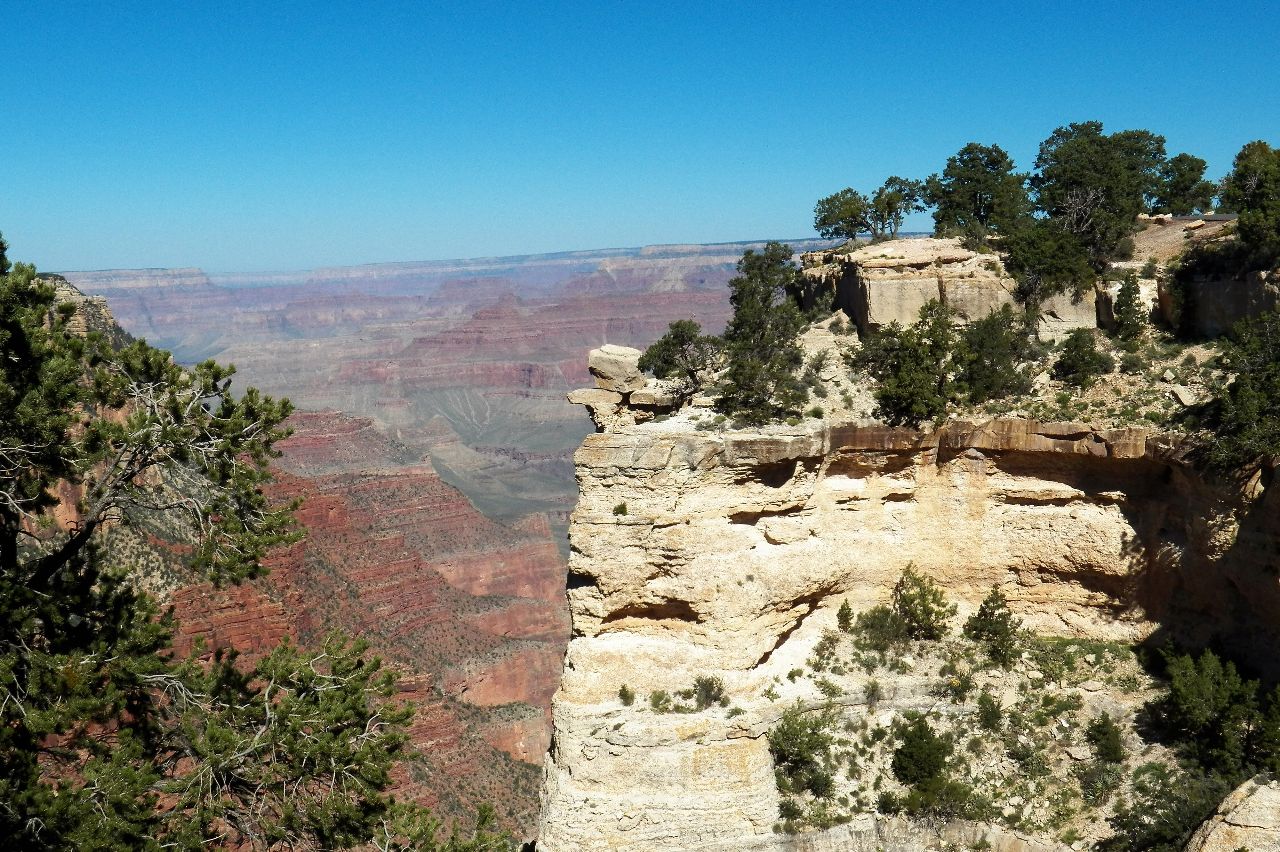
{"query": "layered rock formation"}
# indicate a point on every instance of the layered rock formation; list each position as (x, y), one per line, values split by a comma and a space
(890, 281)
(727, 553)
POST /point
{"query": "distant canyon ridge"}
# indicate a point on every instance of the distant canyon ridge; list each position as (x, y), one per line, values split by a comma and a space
(433, 451)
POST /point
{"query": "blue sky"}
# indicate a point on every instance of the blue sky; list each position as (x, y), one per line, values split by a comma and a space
(281, 136)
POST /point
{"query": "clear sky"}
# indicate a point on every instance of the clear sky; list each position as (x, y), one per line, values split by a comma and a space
(256, 136)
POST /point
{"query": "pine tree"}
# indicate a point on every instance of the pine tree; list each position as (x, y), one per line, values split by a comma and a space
(761, 342)
(105, 741)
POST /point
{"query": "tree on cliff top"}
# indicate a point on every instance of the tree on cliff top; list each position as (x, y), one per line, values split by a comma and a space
(105, 742)
(761, 342)
(684, 353)
(848, 213)
(1253, 190)
(977, 194)
(842, 215)
(1094, 185)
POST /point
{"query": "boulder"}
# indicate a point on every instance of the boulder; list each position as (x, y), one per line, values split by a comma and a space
(1247, 819)
(616, 368)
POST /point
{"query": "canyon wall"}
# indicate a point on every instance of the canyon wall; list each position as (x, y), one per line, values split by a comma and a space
(705, 552)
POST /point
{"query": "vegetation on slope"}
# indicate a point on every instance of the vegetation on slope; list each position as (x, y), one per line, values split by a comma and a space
(106, 741)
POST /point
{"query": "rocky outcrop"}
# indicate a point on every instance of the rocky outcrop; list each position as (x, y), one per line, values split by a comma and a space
(622, 395)
(1247, 819)
(890, 281)
(727, 553)
(1209, 307)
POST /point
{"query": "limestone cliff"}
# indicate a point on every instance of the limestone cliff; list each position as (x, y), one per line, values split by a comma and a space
(697, 550)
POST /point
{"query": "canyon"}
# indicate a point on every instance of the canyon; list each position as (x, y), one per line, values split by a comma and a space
(432, 456)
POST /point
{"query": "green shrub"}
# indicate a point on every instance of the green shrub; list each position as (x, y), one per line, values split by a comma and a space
(815, 412)
(620, 509)
(844, 617)
(708, 690)
(626, 695)
(1166, 807)
(990, 714)
(761, 342)
(912, 366)
(1104, 735)
(872, 692)
(987, 354)
(683, 353)
(921, 754)
(1129, 313)
(801, 748)
(879, 629)
(1212, 711)
(660, 701)
(1080, 360)
(1098, 780)
(921, 606)
(1133, 363)
(996, 627)
(1246, 415)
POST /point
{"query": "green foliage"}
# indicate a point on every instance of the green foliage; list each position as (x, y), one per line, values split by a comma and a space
(996, 627)
(1098, 780)
(1046, 260)
(1253, 190)
(626, 695)
(1183, 188)
(762, 339)
(977, 194)
(683, 353)
(708, 690)
(1246, 414)
(105, 741)
(990, 714)
(1080, 360)
(842, 215)
(1104, 735)
(921, 606)
(1129, 313)
(801, 748)
(891, 203)
(1211, 710)
(660, 701)
(1094, 185)
(912, 366)
(879, 629)
(620, 509)
(921, 755)
(987, 356)
(848, 213)
(1164, 811)
(844, 617)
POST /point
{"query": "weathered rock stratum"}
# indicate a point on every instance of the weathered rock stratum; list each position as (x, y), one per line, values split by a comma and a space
(726, 553)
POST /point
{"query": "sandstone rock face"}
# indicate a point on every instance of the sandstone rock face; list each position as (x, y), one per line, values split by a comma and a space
(616, 368)
(1247, 819)
(890, 281)
(736, 549)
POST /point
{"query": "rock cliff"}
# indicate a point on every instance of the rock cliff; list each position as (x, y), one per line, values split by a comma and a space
(890, 281)
(698, 552)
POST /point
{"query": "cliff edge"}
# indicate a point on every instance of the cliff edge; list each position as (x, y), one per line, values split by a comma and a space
(698, 550)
